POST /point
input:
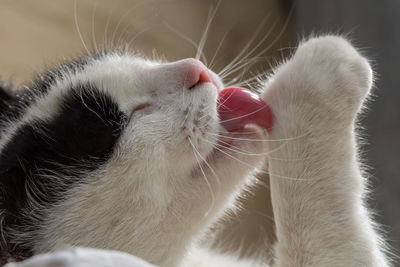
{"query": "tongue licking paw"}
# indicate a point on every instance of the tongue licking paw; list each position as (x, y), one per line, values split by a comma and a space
(238, 107)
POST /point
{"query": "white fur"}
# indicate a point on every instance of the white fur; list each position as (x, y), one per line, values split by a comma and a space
(152, 200)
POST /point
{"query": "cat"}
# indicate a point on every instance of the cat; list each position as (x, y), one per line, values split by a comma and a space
(126, 154)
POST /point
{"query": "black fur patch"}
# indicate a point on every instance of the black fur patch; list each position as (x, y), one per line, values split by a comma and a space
(14, 102)
(48, 157)
(6, 96)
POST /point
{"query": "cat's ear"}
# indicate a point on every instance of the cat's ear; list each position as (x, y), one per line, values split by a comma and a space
(6, 94)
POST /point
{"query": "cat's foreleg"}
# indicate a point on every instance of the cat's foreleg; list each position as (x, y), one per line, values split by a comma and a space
(317, 187)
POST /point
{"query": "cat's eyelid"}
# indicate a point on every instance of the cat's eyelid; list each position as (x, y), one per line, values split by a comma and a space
(140, 107)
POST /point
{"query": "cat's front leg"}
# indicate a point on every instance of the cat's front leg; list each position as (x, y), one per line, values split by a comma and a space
(317, 186)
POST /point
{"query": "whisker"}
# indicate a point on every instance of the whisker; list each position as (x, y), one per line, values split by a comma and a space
(125, 33)
(105, 34)
(241, 151)
(265, 172)
(238, 151)
(184, 37)
(293, 159)
(226, 99)
(204, 36)
(245, 69)
(293, 178)
(235, 59)
(235, 67)
(121, 19)
(211, 169)
(256, 140)
(205, 178)
(77, 26)
(217, 49)
(251, 61)
(238, 65)
(134, 37)
(235, 118)
(229, 155)
(94, 41)
(277, 37)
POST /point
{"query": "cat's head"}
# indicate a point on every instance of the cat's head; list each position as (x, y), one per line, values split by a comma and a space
(119, 152)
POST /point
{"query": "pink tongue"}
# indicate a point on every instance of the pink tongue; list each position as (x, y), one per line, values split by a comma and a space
(238, 107)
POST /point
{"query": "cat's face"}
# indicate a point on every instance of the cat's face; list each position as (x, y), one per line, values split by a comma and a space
(167, 108)
(122, 148)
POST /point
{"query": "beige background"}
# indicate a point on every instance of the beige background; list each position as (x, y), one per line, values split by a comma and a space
(39, 33)
(36, 33)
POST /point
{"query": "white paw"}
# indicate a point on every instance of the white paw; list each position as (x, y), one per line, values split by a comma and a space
(82, 257)
(338, 69)
(325, 82)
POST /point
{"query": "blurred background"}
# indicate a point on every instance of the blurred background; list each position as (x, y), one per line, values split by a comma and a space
(40, 33)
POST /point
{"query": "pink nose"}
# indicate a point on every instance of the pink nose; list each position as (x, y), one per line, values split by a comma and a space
(204, 77)
(193, 72)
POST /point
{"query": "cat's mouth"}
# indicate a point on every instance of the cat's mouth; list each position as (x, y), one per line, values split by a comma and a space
(244, 117)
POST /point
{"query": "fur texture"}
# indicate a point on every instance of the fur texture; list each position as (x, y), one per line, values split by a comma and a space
(167, 170)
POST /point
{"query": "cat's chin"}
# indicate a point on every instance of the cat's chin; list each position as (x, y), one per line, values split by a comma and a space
(232, 145)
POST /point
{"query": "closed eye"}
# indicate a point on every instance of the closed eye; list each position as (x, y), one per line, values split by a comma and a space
(139, 107)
